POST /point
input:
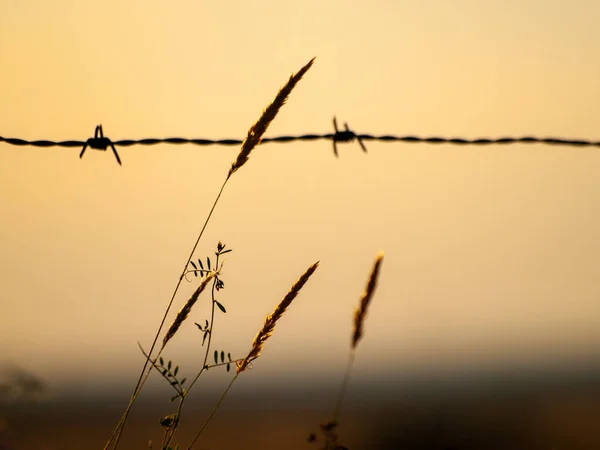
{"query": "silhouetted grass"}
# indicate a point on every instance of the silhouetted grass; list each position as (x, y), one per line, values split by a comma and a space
(209, 272)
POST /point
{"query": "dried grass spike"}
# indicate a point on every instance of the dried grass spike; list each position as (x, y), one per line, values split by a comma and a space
(271, 320)
(361, 311)
(257, 130)
(185, 311)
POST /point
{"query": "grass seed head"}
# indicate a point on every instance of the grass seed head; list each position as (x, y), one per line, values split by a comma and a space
(361, 312)
(187, 308)
(271, 320)
(257, 130)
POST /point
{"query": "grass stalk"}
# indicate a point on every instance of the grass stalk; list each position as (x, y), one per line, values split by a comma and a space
(214, 410)
(329, 428)
(260, 339)
(253, 138)
(172, 433)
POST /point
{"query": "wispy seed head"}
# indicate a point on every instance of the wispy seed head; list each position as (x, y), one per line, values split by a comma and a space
(257, 130)
(361, 312)
(187, 308)
(271, 320)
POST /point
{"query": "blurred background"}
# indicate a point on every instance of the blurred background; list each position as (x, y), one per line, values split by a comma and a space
(484, 331)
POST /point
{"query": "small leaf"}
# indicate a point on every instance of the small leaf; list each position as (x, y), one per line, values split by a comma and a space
(183, 381)
(228, 367)
(229, 356)
(216, 357)
(193, 265)
(206, 323)
(169, 365)
(221, 307)
(198, 325)
(175, 371)
(175, 397)
(208, 262)
(164, 371)
(204, 338)
(222, 356)
(162, 361)
(200, 262)
(225, 251)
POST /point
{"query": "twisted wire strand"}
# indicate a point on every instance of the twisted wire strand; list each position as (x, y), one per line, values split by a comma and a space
(342, 136)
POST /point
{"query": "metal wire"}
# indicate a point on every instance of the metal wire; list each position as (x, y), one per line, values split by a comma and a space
(101, 142)
(315, 137)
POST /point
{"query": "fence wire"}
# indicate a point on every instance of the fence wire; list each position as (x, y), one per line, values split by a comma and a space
(315, 137)
(101, 142)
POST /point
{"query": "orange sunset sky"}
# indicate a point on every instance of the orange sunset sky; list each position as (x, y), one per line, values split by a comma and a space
(491, 252)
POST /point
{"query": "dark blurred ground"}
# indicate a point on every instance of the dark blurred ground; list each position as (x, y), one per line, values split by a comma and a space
(530, 412)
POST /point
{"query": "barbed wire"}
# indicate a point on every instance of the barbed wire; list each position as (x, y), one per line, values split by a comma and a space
(100, 142)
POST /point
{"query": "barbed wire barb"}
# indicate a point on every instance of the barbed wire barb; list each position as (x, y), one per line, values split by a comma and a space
(100, 142)
(344, 136)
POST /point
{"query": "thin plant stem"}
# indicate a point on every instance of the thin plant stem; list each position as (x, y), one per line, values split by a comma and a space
(164, 442)
(233, 361)
(212, 413)
(142, 379)
(153, 363)
(180, 391)
(338, 406)
(212, 324)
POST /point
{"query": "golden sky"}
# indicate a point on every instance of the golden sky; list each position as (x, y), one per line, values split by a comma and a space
(491, 252)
